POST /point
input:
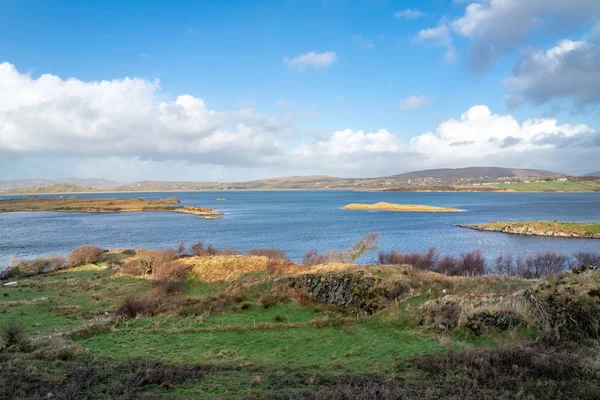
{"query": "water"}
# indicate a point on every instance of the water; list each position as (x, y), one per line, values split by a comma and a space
(297, 221)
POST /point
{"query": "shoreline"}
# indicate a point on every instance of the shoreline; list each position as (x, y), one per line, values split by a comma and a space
(541, 229)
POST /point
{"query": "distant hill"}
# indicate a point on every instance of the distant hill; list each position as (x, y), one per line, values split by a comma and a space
(101, 184)
(597, 173)
(475, 172)
(52, 188)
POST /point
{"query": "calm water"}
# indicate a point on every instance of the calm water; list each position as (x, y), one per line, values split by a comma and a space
(298, 221)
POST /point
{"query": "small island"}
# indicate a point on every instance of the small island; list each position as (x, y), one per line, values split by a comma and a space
(589, 230)
(100, 205)
(383, 206)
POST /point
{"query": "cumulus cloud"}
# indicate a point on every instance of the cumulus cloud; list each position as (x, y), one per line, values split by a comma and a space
(125, 124)
(409, 14)
(125, 118)
(311, 60)
(568, 70)
(412, 102)
(439, 36)
(495, 139)
(498, 26)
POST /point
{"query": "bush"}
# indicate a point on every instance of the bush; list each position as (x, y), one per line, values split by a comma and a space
(197, 249)
(426, 260)
(148, 259)
(132, 307)
(588, 258)
(269, 253)
(473, 263)
(542, 264)
(13, 334)
(170, 270)
(132, 268)
(366, 244)
(83, 255)
(449, 265)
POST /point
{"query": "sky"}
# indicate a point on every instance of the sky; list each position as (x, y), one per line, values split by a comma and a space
(240, 90)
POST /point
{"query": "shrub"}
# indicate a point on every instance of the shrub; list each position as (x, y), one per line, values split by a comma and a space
(170, 270)
(228, 252)
(199, 250)
(542, 264)
(269, 253)
(148, 259)
(366, 244)
(266, 301)
(128, 252)
(180, 249)
(132, 268)
(449, 265)
(132, 307)
(588, 258)
(13, 334)
(426, 260)
(278, 317)
(473, 263)
(505, 264)
(87, 254)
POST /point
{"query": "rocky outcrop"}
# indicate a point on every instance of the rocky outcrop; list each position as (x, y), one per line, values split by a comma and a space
(349, 289)
(524, 229)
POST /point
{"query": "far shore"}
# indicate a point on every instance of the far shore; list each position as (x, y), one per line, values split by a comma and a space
(101, 205)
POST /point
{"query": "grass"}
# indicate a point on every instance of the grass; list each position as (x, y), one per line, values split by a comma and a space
(543, 228)
(296, 346)
(91, 205)
(584, 186)
(383, 206)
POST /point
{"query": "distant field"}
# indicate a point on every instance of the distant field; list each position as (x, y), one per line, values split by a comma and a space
(587, 186)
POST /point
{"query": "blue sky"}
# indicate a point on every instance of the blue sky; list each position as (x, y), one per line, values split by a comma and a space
(233, 54)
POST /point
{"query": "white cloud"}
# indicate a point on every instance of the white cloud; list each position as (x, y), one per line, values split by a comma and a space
(123, 124)
(409, 14)
(124, 117)
(498, 26)
(568, 70)
(312, 59)
(480, 136)
(439, 36)
(412, 102)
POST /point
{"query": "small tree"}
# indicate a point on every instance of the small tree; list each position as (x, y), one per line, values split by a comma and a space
(366, 244)
(181, 249)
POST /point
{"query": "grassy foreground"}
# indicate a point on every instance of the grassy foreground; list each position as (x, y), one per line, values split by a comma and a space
(100, 205)
(254, 327)
(543, 228)
(383, 206)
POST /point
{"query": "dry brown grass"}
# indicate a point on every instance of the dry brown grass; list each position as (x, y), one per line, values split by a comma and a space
(229, 268)
(383, 206)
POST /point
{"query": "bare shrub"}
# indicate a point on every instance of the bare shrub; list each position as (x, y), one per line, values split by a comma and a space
(311, 258)
(181, 249)
(87, 254)
(473, 263)
(505, 264)
(449, 265)
(13, 334)
(148, 259)
(132, 268)
(128, 252)
(588, 258)
(170, 270)
(426, 260)
(542, 264)
(366, 244)
(199, 250)
(269, 253)
(132, 307)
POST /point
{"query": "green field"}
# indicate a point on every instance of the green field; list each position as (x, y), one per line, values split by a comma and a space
(235, 346)
(585, 186)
